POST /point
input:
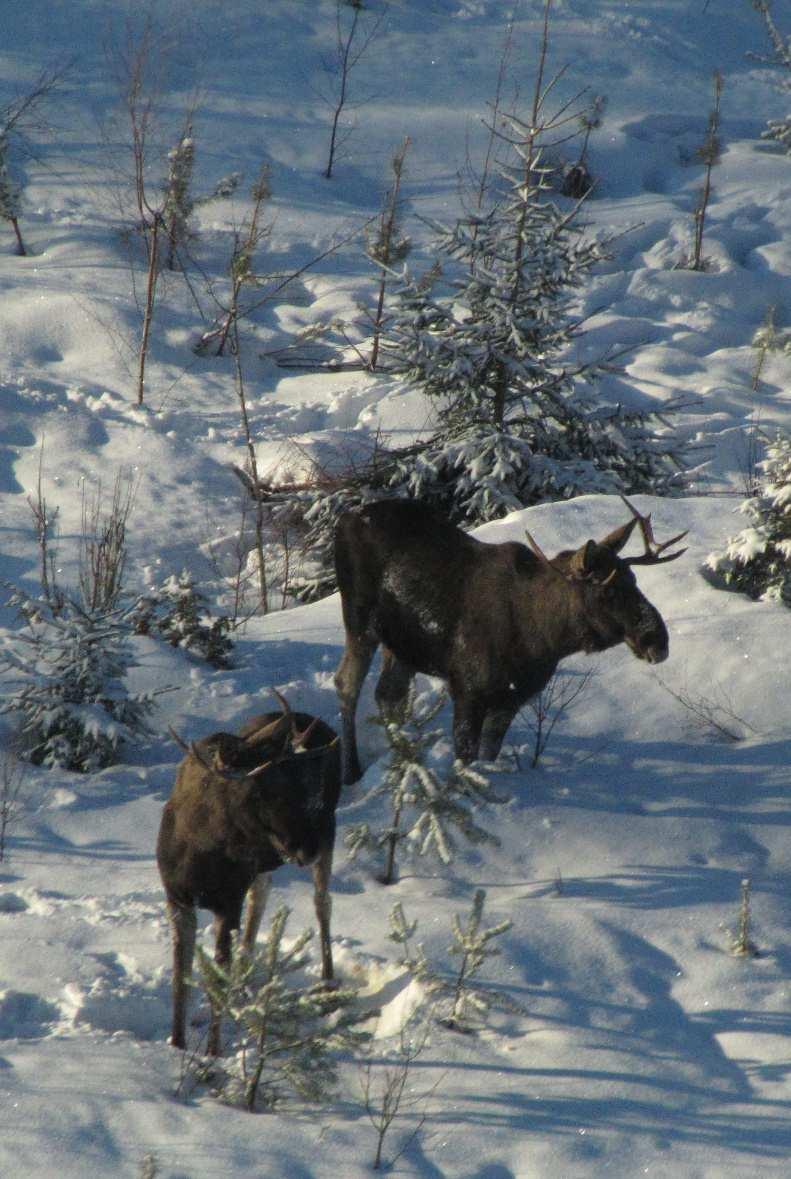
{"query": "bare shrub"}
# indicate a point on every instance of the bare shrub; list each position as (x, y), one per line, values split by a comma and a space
(102, 552)
(18, 119)
(551, 705)
(710, 714)
(388, 1095)
(353, 38)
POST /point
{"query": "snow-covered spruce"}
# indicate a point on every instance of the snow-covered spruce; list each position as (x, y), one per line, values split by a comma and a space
(178, 612)
(757, 560)
(424, 809)
(64, 680)
(486, 338)
(284, 1033)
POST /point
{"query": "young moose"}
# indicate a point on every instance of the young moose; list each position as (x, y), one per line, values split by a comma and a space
(242, 805)
(493, 620)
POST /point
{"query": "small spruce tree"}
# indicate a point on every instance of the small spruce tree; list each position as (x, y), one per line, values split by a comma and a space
(66, 675)
(386, 247)
(466, 1004)
(425, 809)
(178, 204)
(486, 340)
(757, 560)
(284, 1034)
(178, 612)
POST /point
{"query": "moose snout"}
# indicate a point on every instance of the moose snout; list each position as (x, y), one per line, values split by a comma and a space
(653, 648)
(657, 654)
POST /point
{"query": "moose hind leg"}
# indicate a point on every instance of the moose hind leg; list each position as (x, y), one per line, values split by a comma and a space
(392, 688)
(322, 870)
(183, 925)
(349, 677)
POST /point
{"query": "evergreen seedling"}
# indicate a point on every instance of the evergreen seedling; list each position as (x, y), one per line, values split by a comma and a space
(66, 673)
(709, 154)
(742, 944)
(284, 1033)
(177, 611)
(777, 130)
(178, 203)
(486, 336)
(466, 1003)
(386, 248)
(425, 809)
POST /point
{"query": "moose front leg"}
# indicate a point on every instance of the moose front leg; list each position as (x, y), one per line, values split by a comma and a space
(183, 926)
(255, 903)
(496, 724)
(322, 870)
(468, 717)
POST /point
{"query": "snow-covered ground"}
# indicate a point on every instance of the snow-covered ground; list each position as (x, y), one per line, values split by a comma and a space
(645, 1047)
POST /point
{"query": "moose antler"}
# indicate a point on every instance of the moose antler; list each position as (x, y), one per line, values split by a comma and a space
(575, 576)
(537, 551)
(653, 550)
(298, 738)
(216, 765)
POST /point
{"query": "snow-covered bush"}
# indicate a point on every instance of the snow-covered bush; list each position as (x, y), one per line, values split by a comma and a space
(64, 681)
(284, 1033)
(424, 808)
(177, 611)
(486, 337)
(757, 560)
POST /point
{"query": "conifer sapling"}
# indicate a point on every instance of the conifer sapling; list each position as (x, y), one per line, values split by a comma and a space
(425, 808)
(284, 1032)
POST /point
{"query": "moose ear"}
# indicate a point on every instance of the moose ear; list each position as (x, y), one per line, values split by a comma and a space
(584, 560)
(615, 541)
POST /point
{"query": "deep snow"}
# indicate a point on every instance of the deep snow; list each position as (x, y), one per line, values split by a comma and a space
(645, 1047)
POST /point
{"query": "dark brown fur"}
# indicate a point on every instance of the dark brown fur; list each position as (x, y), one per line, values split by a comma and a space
(493, 620)
(229, 823)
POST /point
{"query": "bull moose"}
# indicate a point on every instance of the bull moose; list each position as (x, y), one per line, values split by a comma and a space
(493, 620)
(242, 805)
